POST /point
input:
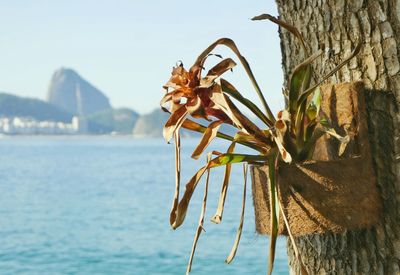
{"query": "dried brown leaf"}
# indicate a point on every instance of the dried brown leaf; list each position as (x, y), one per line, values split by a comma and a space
(220, 209)
(221, 160)
(220, 100)
(201, 219)
(223, 66)
(231, 45)
(284, 25)
(232, 254)
(278, 138)
(250, 127)
(209, 134)
(175, 202)
(184, 202)
(272, 169)
(196, 127)
(174, 123)
(229, 89)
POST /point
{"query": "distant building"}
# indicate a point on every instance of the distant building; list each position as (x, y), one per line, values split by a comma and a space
(29, 126)
(80, 125)
(79, 122)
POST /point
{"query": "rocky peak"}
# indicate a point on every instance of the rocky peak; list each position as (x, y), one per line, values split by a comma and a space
(70, 92)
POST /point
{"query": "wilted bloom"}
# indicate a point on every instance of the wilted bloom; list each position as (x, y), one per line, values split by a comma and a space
(191, 94)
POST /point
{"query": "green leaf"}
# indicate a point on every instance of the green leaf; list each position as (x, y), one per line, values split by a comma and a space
(229, 89)
(307, 150)
(311, 112)
(235, 158)
(314, 106)
(325, 122)
(231, 45)
(238, 118)
(193, 182)
(197, 127)
(241, 138)
(224, 189)
(272, 164)
(300, 81)
(303, 97)
(299, 126)
(309, 130)
(317, 99)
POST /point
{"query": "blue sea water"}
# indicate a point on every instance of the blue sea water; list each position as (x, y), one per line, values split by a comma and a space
(100, 205)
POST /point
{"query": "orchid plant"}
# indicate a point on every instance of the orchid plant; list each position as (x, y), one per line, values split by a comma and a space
(289, 137)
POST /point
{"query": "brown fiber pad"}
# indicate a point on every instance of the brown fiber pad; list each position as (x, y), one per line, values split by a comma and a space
(330, 194)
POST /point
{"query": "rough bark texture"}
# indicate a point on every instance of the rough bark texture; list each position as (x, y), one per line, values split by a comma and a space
(332, 193)
(317, 199)
(337, 25)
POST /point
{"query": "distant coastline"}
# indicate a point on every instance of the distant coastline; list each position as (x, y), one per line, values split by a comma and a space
(73, 106)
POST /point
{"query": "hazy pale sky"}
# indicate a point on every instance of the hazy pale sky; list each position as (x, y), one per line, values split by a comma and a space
(127, 48)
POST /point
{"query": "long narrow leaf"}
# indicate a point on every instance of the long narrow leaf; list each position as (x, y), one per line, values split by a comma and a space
(283, 152)
(236, 158)
(300, 80)
(243, 138)
(223, 66)
(273, 215)
(174, 123)
(307, 150)
(343, 140)
(220, 209)
(175, 202)
(220, 100)
(296, 250)
(229, 89)
(192, 184)
(197, 127)
(216, 71)
(303, 97)
(232, 254)
(239, 120)
(184, 202)
(201, 220)
(209, 134)
(247, 124)
(231, 45)
(284, 25)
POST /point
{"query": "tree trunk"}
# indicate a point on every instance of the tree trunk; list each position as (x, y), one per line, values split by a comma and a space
(337, 25)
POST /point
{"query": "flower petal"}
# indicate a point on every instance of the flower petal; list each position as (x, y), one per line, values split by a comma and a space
(174, 122)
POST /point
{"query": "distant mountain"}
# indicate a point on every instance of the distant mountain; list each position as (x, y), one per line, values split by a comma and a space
(151, 125)
(12, 106)
(113, 120)
(70, 92)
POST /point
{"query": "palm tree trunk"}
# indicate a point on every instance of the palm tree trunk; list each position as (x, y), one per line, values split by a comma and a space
(338, 25)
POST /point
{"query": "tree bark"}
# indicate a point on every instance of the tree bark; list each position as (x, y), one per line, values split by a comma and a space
(337, 25)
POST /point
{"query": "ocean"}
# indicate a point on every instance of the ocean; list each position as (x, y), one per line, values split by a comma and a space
(100, 205)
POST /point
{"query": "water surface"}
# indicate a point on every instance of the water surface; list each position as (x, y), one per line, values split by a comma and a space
(100, 205)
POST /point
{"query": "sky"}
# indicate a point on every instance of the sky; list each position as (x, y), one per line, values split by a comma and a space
(127, 48)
